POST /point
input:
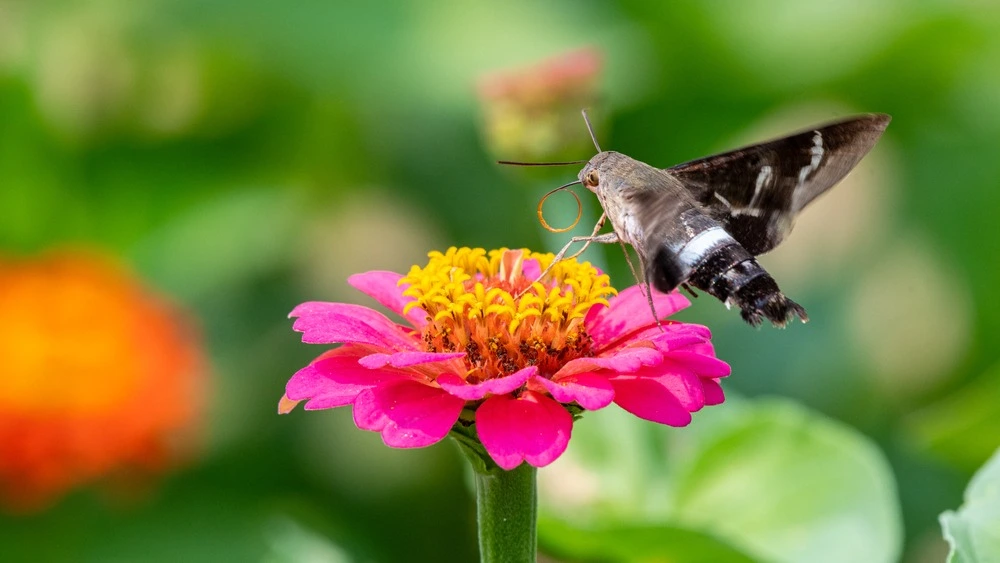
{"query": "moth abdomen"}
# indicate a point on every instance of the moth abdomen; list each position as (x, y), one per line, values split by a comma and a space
(759, 298)
(728, 272)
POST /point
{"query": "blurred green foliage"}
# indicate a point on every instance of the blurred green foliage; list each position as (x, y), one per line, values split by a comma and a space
(247, 156)
(974, 531)
(769, 480)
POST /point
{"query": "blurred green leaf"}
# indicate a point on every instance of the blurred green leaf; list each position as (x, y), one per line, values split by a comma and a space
(634, 543)
(290, 541)
(770, 478)
(787, 484)
(974, 531)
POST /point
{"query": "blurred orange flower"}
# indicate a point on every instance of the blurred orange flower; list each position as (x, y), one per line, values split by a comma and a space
(98, 375)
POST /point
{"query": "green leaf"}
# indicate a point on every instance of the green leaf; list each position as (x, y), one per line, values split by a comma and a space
(768, 478)
(974, 531)
(634, 543)
(790, 485)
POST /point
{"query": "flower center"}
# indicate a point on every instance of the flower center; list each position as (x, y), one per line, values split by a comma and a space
(492, 307)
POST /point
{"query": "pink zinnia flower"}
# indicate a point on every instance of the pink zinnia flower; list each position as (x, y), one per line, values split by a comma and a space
(519, 357)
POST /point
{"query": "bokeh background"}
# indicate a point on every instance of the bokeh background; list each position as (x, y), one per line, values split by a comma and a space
(218, 162)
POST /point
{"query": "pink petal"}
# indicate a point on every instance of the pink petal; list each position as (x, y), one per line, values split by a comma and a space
(531, 428)
(329, 323)
(703, 348)
(647, 398)
(591, 391)
(334, 381)
(626, 360)
(531, 270)
(629, 312)
(704, 366)
(406, 359)
(679, 335)
(669, 334)
(683, 384)
(713, 391)
(384, 287)
(408, 413)
(499, 386)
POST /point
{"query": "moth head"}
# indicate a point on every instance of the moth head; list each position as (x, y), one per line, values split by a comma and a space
(598, 169)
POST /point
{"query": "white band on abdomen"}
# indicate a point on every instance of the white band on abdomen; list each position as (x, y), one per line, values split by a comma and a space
(701, 245)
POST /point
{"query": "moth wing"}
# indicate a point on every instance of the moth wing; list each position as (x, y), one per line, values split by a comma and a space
(655, 200)
(756, 191)
(660, 216)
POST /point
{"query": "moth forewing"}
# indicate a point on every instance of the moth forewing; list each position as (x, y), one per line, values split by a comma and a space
(757, 190)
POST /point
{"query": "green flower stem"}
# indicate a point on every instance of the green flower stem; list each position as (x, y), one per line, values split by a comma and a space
(506, 503)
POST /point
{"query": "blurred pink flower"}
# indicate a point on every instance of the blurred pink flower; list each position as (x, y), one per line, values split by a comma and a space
(552, 81)
(533, 112)
(523, 356)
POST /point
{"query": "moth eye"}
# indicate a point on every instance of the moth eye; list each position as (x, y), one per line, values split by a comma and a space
(591, 179)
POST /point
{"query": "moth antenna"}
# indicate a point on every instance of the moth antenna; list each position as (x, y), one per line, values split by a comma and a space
(516, 163)
(590, 130)
(579, 209)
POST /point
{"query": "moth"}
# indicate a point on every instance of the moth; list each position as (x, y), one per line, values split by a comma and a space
(702, 223)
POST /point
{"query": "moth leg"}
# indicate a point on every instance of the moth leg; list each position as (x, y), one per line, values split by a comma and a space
(606, 238)
(689, 289)
(591, 238)
(644, 287)
(649, 296)
(631, 266)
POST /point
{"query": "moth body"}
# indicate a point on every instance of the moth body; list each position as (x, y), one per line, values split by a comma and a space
(703, 223)
(682, 243)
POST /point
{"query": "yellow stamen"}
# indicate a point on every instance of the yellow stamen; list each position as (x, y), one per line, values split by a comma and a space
(484, 304)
